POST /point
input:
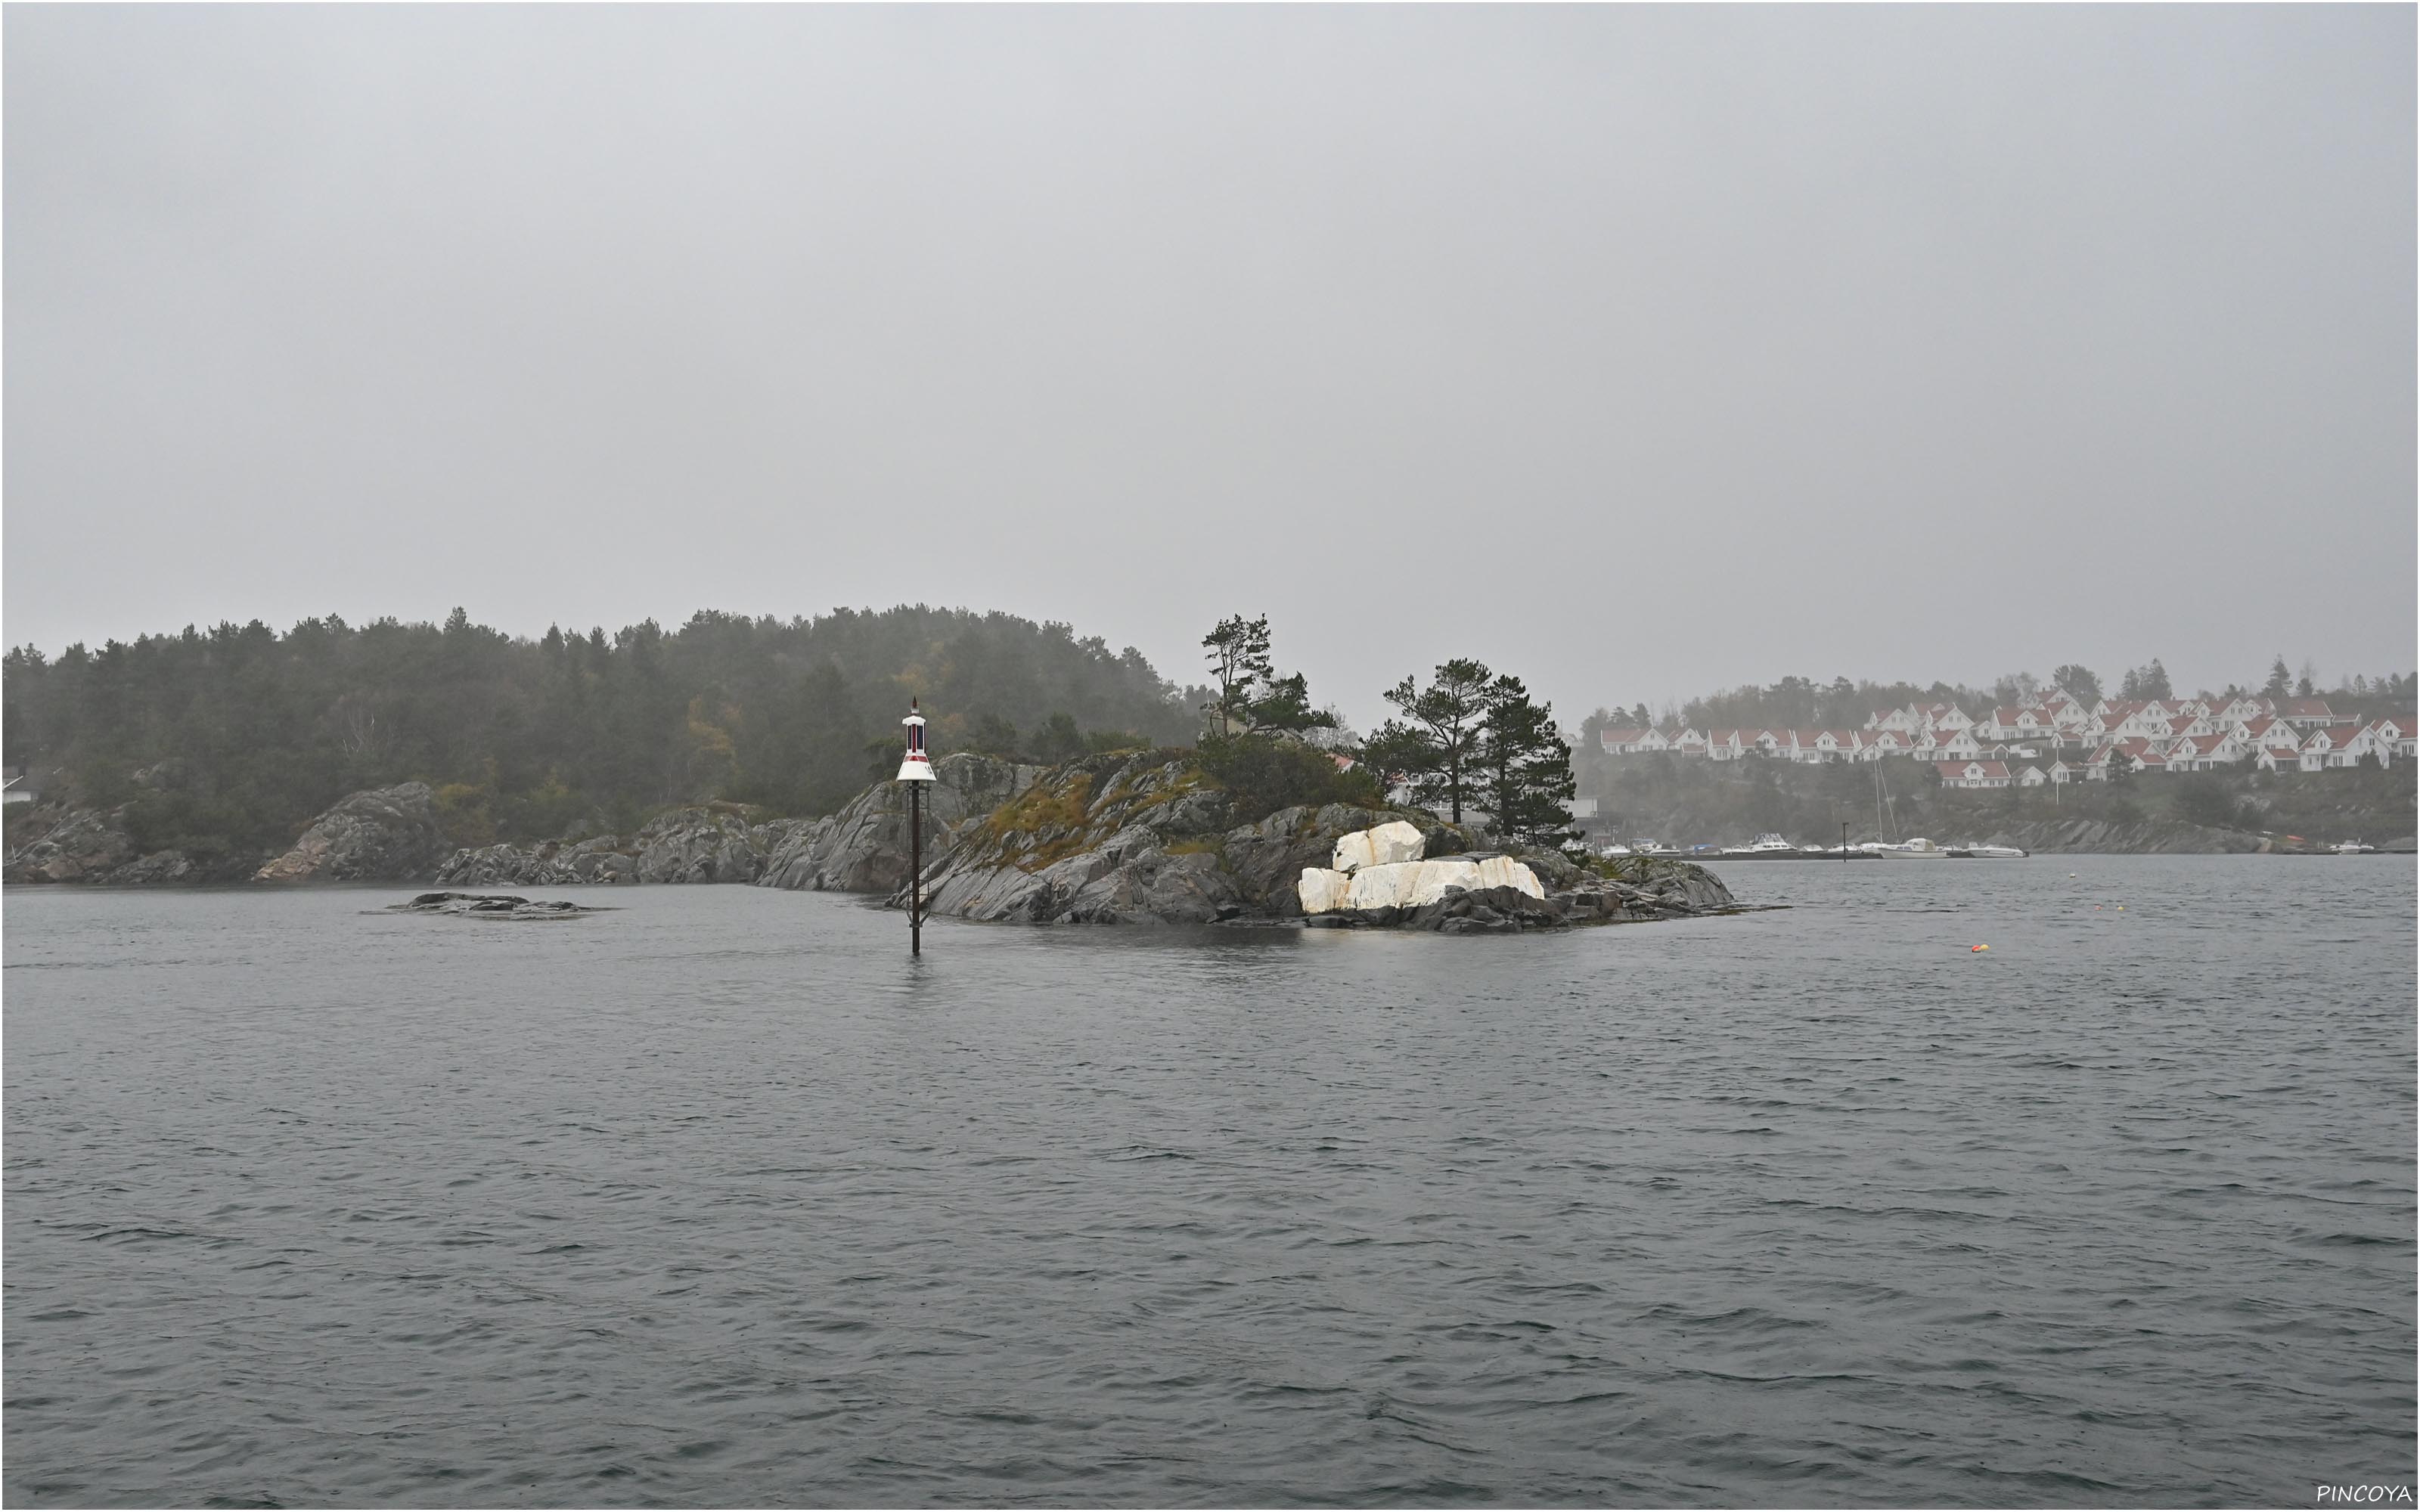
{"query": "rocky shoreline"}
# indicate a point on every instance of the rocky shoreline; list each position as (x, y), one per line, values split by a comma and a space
(1135, 837)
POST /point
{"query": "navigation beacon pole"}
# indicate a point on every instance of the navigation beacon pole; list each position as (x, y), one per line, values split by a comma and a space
(915, 771)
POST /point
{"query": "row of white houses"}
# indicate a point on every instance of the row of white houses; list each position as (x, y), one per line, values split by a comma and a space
(2146, 737)
(2061, 721)
(2338, 747)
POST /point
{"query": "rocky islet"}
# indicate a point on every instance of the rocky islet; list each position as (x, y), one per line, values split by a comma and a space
(1129, 837)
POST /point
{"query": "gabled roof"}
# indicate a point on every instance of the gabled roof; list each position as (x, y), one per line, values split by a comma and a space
(2308, 709)
(1977, 769)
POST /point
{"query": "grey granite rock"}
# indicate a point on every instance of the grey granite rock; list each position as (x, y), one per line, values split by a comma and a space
(546, 864)
(863, 848)
(712, 843)
(381, 835)
(487, 905)
(72, 845)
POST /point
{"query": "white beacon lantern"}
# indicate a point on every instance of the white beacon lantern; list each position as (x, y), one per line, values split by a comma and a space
(917, 767)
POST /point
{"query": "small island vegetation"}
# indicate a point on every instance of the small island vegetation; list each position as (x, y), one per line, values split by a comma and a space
(221, 747)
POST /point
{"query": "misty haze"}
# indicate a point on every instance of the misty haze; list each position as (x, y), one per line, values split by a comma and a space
(1379, 755)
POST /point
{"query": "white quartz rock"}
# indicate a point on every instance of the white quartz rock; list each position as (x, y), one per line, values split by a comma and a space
(1418, 884)
(1504, 872)
(1322, 889)
(1385, 845)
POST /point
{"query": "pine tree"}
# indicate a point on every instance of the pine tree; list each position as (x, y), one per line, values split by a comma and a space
(2078, 683)
(1239, 659)
(1525, 767)
(1434, 745)
(2155, 682)
(2280, 680)
(1252, 699)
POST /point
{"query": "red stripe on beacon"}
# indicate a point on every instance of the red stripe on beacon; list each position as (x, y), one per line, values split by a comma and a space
(917, 767)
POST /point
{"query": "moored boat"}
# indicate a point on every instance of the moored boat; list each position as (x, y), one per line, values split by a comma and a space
(1918, 849)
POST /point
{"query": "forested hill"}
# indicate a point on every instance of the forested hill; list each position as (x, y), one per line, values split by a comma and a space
(229, 741)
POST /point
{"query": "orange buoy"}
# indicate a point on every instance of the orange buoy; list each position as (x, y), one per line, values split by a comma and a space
(1980, 948)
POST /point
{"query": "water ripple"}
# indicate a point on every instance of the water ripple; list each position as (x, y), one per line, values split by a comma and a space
(722, 1201)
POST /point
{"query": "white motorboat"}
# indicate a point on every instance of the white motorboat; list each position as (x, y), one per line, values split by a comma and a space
(1996, 852)
(1768, 842)
(2354, 847)
(1918, 849)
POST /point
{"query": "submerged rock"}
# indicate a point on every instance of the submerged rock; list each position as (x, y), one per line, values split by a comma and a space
(486, 905)
(381, 835)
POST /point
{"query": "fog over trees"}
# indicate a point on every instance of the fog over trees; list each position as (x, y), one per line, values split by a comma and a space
(231, 739)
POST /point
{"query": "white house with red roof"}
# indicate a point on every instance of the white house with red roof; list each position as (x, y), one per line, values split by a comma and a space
(2337, 744)
(1956, 746)
(2203, 752)
(2312, 714)
(2095, 766)
(2311, 757)
(2011, 723)
(2140, 753)
(2354, 741)
(2144, 719)
(2265, 731)
(1973, 774)
(2399, 733)
(1818, 745)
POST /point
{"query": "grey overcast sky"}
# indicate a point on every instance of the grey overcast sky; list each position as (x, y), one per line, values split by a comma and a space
(1637, 351)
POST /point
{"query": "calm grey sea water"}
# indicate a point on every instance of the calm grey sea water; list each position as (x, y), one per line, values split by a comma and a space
(716, 1199)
